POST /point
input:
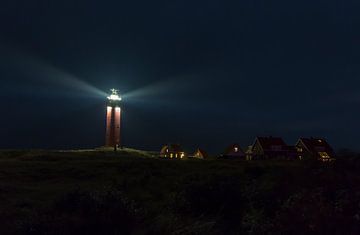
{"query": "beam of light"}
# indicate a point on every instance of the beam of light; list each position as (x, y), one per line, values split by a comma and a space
(56, 76)
(44, 74)
(166, 86)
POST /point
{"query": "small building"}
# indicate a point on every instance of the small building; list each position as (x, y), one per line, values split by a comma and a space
(172, 151)
(314, 148)
(271, 148)
(233, 151)
(200, 154)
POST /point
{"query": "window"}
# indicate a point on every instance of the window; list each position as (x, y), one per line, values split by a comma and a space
(236, 149)
(324, 155)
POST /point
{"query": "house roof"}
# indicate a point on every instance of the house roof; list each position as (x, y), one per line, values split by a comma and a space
(234, 149)
(267, 142)
(316, 145)
(202, 152)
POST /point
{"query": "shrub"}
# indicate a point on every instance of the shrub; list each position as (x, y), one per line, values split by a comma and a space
(107, 212)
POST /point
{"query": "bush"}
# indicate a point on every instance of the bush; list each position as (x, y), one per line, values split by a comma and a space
(107, 212)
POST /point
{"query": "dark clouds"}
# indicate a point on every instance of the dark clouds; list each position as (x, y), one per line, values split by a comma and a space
(207, 72)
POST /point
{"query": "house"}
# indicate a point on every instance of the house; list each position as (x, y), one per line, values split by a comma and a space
(172, 151)
(271, 148)
(233, 151)
(315, 148)
(200, 153)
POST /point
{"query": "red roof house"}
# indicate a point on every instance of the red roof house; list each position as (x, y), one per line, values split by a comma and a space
(317, 148)
(272, 147)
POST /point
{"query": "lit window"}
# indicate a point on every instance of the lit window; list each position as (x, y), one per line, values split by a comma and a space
(236, 149)
(324, 155)
(171, 155)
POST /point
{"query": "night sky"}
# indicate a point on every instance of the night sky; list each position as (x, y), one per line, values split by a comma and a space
(199, 73)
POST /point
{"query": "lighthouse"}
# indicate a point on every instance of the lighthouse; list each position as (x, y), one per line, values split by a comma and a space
(113, 116)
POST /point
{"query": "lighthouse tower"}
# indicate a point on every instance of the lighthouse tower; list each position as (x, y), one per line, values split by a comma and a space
(113, 114)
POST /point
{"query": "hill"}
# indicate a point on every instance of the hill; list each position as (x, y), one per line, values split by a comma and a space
(131, 192)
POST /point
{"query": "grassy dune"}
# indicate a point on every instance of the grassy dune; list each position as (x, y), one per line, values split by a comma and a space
(131, 192)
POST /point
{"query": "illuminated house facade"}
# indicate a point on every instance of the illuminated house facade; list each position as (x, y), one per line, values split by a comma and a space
(271, 148)
(233, 151)
(315, 148)
(173, 151)
(249, 153)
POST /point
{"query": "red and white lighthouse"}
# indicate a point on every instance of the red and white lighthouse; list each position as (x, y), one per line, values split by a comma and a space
(113, 117)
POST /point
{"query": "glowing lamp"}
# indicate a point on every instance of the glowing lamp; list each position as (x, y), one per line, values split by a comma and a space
(114, 95)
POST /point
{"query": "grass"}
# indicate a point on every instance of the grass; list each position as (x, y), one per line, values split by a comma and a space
(132, 192)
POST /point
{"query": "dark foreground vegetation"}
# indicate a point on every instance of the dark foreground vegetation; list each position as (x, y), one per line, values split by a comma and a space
(104, 193)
